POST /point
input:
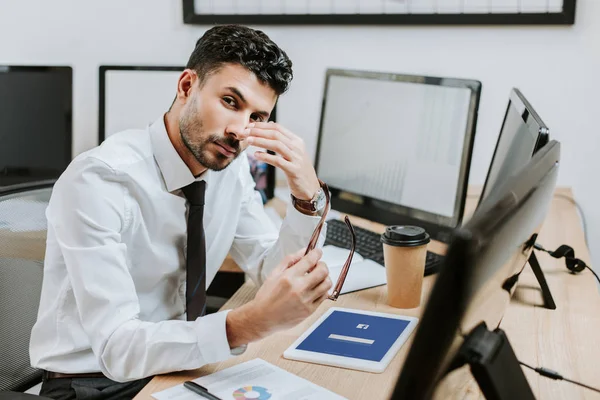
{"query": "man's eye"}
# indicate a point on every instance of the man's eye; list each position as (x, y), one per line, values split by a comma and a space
(230, 101)
(256, 118)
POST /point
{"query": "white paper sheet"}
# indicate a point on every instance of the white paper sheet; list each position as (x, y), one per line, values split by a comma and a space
(363, 273)
(255, 379)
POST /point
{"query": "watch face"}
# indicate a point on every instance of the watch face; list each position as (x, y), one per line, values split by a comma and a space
(236, 351)
(320, 201)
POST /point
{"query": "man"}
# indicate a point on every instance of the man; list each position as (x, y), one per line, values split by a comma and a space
(139, 226)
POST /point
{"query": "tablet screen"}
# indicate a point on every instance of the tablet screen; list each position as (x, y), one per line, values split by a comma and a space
(360, 336)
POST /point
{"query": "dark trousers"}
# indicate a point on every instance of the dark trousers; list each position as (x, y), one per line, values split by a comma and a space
(91, 389)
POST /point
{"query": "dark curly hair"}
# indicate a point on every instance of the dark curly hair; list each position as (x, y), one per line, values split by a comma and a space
(250, 48)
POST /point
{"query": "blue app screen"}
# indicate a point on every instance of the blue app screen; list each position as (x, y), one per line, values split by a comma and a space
(365, 337)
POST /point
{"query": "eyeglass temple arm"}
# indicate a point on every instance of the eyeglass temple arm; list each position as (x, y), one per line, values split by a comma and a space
(315, 236)
(346, 267)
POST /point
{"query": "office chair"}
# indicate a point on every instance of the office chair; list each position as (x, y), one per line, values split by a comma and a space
(22, 247)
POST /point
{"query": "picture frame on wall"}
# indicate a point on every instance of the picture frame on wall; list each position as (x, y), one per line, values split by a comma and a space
(379, 12)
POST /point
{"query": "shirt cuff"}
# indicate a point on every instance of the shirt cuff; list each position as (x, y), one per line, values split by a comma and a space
(304, 225)
(297, 219)
(212, 337)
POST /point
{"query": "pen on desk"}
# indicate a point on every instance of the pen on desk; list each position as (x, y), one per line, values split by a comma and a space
(201, 390)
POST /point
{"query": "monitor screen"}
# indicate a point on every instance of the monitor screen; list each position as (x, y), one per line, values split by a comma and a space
(401, 143)
(522, 134)
(133, 97)
(484, 260)
(35, 122)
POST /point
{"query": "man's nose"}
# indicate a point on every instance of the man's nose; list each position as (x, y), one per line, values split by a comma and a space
(236, 128)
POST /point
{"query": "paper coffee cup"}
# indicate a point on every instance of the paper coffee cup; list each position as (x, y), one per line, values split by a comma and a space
(404, 254)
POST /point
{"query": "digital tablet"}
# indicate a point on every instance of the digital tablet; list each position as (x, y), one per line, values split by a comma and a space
(355, 339)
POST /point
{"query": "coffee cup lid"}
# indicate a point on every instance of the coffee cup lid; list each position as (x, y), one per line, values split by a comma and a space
(405, 236)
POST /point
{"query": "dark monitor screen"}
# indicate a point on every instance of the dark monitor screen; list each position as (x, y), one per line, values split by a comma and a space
(522, 134)
(133, 97)
(483, 264)
(35, 122)
(396, 148)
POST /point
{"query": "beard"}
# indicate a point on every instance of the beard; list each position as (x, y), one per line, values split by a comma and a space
(198, 142)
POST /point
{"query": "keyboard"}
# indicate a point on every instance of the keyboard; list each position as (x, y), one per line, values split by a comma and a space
(368, 244)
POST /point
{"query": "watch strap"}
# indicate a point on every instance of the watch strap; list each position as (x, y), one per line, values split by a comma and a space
(307, 206)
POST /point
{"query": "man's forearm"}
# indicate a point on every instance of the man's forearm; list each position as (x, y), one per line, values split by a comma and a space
(243, 326)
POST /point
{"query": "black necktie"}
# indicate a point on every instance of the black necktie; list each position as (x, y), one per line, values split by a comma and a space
(196, 252)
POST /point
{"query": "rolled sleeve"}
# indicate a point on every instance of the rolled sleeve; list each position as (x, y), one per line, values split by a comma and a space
(212, 337)
(302, 223)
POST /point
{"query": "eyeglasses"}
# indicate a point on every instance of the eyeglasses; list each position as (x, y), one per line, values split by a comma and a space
(315, 238)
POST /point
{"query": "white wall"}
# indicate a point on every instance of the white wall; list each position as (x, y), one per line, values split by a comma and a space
(555, 67)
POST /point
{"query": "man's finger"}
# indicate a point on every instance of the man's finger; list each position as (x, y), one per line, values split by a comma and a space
(319, 274)
(274, 145)
(268, 133)
(321, 290)
(297, 256)
(290, 260)
(278, 127)
(275, 160)
(307, 262)
(319, 300)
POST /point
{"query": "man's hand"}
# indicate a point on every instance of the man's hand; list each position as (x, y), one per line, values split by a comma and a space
(291, 293)
(290, 156)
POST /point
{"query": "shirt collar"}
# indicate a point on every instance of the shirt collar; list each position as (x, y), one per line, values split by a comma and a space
(175, 172)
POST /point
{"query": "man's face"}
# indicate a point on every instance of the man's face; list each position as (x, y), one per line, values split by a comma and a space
(218, 111)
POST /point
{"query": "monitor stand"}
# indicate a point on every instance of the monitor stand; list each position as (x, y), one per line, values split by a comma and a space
(493, 365)
(546, 294)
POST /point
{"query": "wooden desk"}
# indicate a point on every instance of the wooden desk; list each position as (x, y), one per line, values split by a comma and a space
(565, 339)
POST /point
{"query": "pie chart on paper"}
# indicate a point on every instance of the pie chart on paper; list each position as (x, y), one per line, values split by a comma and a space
(252, 393)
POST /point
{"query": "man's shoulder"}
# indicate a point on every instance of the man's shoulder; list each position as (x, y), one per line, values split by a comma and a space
(122, 150)
(115, 162)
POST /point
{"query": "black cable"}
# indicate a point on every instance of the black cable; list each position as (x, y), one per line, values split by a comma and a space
(574, 264)
(548, 373)
(583, 224)
(595, 274)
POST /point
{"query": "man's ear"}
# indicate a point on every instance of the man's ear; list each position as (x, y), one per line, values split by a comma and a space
(186, 81)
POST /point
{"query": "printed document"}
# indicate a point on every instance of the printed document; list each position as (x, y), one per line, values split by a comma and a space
(255, 379)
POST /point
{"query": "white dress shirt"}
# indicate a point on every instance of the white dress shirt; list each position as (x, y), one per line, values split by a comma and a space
(113, 294)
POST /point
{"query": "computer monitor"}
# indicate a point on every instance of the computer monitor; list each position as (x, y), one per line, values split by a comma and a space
(135, 96)
(522, 134)
(36, 108)
(483, 264)
(396, 148)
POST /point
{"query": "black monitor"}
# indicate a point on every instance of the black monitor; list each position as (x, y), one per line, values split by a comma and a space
(133, 97)
(396, 149)
(522, 134)
(36, 108)
(483, 264)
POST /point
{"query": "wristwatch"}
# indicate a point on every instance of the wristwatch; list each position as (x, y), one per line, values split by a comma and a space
(236, 351)
(314, 206)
